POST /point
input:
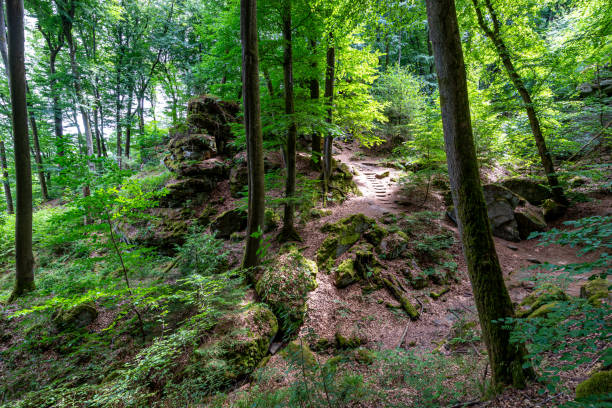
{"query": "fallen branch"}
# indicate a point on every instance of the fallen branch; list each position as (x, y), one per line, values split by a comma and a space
(403, 336)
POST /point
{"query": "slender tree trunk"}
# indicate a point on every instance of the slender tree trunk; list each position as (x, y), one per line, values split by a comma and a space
(329, 100)
(545, 156)
(5, 180)
(24, 260)
(490, 293)
(5, 177)
(97, 132)
(314, 96)
(57, 109)
(252, 123)
(37, 156)
(288, 232)
(128, 123)
(118, 128)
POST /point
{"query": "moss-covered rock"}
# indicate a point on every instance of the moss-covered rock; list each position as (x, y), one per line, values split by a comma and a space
(599, 383)
(284, 286)
(299, 353)
(595, 290)
(531, 190)
(394, 245)
(316, 213)
(542, 296)
(544, 310)
(351, 342)
(75, 317)
(345, 274)
(235, 348)
(229, 222)
(553, 210)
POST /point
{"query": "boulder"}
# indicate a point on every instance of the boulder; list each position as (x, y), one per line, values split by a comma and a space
(229, 222)
(598, 384)
(213, 169)
(298, 352)
(529, 218)
(394, 245)
(530, 190)
(238, 179)
(345, 274)
(235, 348)
(553, 210)
(186, 149)
(213, 116)
(595, 290)
(76, 317)
(181, 191)
(284, 286)
(541, 301)
(351, 341)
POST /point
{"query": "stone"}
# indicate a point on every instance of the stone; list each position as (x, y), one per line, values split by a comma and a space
(345, 274)
(316, 213)
(229, 222)
(599, 383)
(76, 317)
(512, 247)
(187, 149)
(553, 210)
(530, 190)
(543, 295)
(595, 290)
(299, 353)
(351, 342)
(213, 116)
(284, 286)
(382, 175)
(394, 245)
(238, 179)
(235, 348)
(529, 219)
(186, 191)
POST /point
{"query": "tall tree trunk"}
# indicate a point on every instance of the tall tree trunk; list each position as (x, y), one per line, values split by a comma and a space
(288, 233)
(128, 123)
(97, 132)
(118, 128)
(37, 156)
(252, 123)
(545, 156)
(329, 100)
(57, 109)
(5, 180)
(490, 293)
(24, 260)
(5, 177)
(315, 157)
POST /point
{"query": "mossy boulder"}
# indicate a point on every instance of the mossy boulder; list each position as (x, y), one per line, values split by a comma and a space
(213, 116)
(182, 191)
(394, 245)
(299, 353)
(284, 286)
(213, 170)
(344, 234)
(229, 222)
(547, 294)
(553, 210)
(544, 310)
(75, 317)
(599, 383)
(186, 148)
(595, 290)
(235, 347)
(345, 274)
(530, 190)
(351, 341)
(316, 213)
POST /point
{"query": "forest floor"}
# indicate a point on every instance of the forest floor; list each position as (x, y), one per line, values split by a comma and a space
(349, 311)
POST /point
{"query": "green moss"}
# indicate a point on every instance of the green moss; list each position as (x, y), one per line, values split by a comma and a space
(344, 343)
(364, 356)
(345, 274)
(284, 286)
(437, 295)
(375, 234)
(399, 296)
(299, 352)
(595, 291)
(542, 296)
(271, 220)
(544, 310)
(599, 383)
(77, 316)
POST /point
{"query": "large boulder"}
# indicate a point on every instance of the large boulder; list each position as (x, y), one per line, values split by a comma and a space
(185, 149)
(530, 190)
(234, 349)
(595, 290)
(192, 190)
(229, 222)
(213, 169)
(284, 286)
(238, 179)
(541, 301)
(394, 245)
(529, 218)
(598, 384)
(76, 317)
(214, 117)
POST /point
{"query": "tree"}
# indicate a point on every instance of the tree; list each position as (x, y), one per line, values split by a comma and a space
(490, 293)
(5, 178)
(493, 33)
(24, 260)
(288, 232)
(252, 124)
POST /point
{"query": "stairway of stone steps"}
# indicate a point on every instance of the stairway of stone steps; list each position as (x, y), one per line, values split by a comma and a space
(380, 188)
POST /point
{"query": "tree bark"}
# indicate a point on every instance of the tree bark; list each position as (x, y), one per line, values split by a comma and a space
(545, 156)
(24, 260)
(490, 293)
(314, 96)
(329, 101)
(252, 123)
(288, 231)
(128, 123)
(5, 180)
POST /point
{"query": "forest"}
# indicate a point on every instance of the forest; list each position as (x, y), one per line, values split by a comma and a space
(306, 203)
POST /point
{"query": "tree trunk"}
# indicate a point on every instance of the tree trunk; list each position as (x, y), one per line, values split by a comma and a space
(5, 180)
(490, 293)
(128, 123)
(288, 233)
(252, 123)
(545, 156)
(329, 100)
(314, 96)
(24, 260)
